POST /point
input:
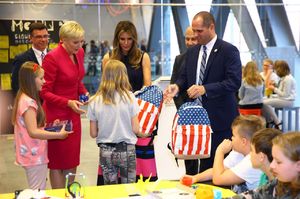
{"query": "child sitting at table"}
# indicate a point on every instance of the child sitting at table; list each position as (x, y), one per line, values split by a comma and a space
(113, 122)
(251, 90)
(285, 167)
(261, 152)
(236, 168)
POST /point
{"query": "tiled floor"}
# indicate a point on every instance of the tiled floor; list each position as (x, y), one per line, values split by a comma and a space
(12, 177)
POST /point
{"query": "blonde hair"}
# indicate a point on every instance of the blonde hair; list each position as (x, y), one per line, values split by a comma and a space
(248, 124)
(27, 74)
(71, 29)
(114, 79)
(289, 143)
(251, 74)
(134, 54)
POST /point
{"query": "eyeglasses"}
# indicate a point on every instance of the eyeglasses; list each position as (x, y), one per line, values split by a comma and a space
(41, 36)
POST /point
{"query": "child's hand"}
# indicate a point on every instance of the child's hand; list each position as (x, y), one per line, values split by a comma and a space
(142, 135)
(63, 133)
(225, 146)
(271, 85)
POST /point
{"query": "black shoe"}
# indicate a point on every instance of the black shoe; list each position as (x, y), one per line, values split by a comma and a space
(277, 126)
(270, 124)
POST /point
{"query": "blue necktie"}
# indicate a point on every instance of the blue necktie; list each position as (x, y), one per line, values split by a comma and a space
(42, 55)
(201, 73)
(203, 66)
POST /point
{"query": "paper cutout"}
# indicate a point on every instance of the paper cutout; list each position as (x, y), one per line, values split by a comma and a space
(15, 50)
(5, 81)
(4, 41)
(3, 56)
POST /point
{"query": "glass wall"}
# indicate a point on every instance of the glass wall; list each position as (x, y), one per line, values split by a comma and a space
(258, 29)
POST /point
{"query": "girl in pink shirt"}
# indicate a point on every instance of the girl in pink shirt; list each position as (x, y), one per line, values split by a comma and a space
(29, 119)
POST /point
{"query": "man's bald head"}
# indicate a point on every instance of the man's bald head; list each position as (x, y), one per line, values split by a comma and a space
(190, 39)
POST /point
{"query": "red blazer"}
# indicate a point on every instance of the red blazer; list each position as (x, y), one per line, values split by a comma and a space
(63, 82)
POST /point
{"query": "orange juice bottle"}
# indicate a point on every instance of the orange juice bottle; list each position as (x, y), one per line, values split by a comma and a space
(268, 92)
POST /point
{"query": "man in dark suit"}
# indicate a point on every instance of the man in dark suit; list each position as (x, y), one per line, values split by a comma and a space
(191, 166)
(211, 75)
(39, 38)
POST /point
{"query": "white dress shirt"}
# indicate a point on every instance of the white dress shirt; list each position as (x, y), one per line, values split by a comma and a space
(38, 54)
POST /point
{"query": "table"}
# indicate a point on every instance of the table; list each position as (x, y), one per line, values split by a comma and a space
(121, 190)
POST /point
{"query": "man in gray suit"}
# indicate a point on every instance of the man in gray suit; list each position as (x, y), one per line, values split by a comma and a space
(39, 38)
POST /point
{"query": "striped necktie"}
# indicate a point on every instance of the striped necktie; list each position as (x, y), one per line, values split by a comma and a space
(201, 74)
(42, 55)
(203, 66)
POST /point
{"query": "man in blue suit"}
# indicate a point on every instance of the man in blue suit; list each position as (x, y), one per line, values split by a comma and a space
(215, 88)
(39, 38)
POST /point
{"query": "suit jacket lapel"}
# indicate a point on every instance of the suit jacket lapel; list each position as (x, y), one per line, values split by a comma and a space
(32, 56)
(212, 56)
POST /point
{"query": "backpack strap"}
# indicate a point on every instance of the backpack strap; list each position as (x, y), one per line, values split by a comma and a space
(169, 147)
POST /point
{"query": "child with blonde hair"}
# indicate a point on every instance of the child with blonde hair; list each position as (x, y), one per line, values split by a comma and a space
(28, 119)
(252, 87)
(236, 169)
(112, 112)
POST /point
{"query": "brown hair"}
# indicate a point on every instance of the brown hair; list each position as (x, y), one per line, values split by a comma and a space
(114, 79)
(207, 17)
(36, 26)
(269, 61)
(282, 68)
(27, 74)
(289, 143)
(248, 125)
(262, 141)
(251, 74)
(134, 54)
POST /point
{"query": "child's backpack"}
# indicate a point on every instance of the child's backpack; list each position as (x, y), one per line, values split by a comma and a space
(150, 101)
(191, 132)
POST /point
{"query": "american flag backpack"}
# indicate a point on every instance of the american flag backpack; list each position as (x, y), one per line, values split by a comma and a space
(150, 101)
(191, 132)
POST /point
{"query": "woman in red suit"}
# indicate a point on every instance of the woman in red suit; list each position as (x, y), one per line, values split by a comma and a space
(64, 72)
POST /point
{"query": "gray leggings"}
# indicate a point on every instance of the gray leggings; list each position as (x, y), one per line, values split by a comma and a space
(117, 160)
(268, 108)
